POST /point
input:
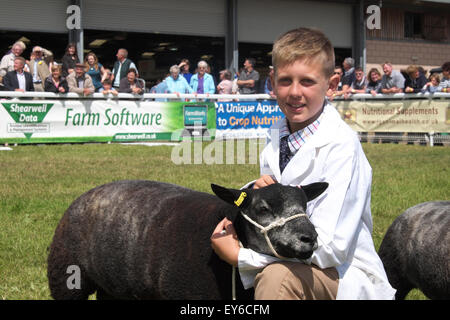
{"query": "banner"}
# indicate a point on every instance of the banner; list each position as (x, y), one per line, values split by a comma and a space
(246, 119)
(51, 121)
(33, 121)
(424, 115)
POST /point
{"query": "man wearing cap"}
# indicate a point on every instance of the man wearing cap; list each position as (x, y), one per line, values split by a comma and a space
(39, 66)
(80, 82)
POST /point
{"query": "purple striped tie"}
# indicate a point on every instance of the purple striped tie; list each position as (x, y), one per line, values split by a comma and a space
(285, 153)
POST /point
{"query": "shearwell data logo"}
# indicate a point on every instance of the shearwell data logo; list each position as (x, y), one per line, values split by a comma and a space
(28, 117)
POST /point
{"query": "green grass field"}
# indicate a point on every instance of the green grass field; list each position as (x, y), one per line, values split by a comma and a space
(38, 183)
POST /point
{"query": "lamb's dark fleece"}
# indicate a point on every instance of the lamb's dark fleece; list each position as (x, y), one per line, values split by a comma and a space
(150, 240)
(416, 250)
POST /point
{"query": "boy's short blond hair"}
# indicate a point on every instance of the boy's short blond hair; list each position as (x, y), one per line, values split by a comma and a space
(303, 44)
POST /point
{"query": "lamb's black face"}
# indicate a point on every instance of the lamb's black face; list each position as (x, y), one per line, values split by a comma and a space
(297, 238)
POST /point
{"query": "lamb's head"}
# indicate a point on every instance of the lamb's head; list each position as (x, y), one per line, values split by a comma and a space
(277, 213)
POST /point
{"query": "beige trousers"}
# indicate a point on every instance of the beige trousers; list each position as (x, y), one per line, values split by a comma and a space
(296, 281)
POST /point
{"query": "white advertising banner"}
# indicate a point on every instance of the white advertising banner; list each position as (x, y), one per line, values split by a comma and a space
(34, 121)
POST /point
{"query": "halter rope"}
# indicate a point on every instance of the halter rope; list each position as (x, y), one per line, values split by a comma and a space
(278, 223)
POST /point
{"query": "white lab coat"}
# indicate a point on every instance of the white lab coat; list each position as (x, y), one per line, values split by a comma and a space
(341, 215)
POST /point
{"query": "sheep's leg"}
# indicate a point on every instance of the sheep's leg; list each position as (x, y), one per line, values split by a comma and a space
(402, 285)
(66, 279)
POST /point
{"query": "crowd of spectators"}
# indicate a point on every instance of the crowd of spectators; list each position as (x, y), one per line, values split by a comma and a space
(411, 80)
(42, 73)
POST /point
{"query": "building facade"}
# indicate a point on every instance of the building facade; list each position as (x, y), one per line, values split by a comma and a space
(159, 33)
(410, 34)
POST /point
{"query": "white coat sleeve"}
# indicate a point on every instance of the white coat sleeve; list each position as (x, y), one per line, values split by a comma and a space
(338, 214)
(250, 263)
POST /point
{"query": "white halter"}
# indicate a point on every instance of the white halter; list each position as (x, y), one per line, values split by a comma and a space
(278, 223)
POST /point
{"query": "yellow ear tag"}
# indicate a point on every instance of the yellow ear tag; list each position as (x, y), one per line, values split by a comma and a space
(241, 198)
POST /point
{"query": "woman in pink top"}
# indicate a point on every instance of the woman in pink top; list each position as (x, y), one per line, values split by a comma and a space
(224, 87)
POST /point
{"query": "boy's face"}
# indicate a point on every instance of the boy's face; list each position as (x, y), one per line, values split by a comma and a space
(300, 89)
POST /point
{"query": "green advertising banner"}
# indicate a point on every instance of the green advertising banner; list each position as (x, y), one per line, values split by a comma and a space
(104, 120)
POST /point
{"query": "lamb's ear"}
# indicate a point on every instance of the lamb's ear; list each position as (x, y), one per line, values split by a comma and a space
(314, 190)
(239, 198)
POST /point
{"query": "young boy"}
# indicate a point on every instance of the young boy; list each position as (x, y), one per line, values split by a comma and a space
(108, 88)
(316, 145)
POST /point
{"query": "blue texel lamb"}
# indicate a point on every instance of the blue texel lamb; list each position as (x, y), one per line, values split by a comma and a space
(151, 240)
(416, 250)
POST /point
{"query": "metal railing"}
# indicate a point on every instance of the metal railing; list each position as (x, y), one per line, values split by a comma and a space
(126, 96)
(183, 96)
(430, 138)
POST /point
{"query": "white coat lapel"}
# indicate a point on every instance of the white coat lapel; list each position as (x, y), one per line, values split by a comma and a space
(302, 163)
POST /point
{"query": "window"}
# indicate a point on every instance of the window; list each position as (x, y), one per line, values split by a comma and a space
(413, 25)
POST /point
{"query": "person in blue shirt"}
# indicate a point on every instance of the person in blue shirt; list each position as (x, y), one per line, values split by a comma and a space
(433, 85)
(184, 69)
(175, 83)
(202, 82)
(160, 88)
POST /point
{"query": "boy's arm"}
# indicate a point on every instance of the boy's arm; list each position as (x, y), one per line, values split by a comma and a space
(225, 242)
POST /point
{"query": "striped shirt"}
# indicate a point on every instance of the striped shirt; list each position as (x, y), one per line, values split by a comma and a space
(445, 83)
(297, 139)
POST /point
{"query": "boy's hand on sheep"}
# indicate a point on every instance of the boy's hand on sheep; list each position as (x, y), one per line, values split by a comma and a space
(225, 242)
(264, 181)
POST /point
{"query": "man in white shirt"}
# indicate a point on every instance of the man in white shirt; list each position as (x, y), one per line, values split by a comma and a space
(18, 80)
(121, 67)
